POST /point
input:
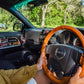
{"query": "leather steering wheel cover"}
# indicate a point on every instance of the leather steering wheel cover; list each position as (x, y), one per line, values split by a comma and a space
(64, 80)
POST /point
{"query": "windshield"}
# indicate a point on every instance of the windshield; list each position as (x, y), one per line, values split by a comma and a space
(55, 13)
(50, 15)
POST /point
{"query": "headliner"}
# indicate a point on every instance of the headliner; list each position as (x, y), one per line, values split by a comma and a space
(9, 3)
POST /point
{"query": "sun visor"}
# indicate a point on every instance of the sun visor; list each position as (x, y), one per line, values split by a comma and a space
(10, 3)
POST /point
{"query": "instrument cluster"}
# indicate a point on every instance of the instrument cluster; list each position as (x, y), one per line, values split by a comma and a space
(62, 37)
(69, 38)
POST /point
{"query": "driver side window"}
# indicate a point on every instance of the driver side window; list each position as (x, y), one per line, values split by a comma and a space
(7, 21)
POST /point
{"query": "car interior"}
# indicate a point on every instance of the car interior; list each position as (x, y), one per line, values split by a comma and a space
(62, 46)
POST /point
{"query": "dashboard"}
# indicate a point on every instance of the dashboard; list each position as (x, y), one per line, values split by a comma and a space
(20, 47)
(60, 37)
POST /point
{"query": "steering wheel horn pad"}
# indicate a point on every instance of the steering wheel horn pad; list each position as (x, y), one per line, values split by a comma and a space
(64, 56)
(64, 79)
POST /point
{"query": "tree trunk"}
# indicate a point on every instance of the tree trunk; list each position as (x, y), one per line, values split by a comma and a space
(65, 17)
(43, 18)
(44, 8)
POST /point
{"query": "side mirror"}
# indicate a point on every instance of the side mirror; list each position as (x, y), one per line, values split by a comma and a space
(18, 26)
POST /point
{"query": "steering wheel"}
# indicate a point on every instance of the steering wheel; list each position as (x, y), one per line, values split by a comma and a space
(62, 57)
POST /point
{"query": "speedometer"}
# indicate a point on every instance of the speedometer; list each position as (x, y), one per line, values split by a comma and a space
(66, 37)
(53, 40)
(76, 42)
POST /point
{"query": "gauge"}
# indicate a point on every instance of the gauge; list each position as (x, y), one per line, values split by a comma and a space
(77, 42)
(65, 37)
(53, 40)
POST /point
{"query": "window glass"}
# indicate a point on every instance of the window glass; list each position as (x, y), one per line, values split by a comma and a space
(7, 21)
(55, 13)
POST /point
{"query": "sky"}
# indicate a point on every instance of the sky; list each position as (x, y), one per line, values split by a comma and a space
(83, 2)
